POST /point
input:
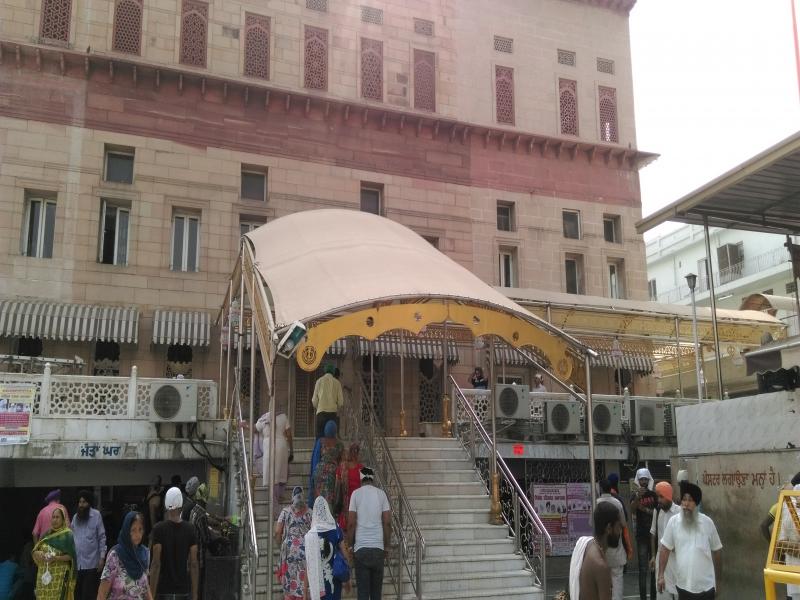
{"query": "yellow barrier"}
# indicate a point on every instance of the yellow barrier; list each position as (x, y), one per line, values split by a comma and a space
(783, 560)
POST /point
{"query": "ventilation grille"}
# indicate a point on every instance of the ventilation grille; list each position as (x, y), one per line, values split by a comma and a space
(372, 15)
(560, 417)
(423, 27)
(601, 417)
(508, 402)
(791, 287)
(566, 57)
(605, 65)
(167, 402)
(320, 5)
(647, 418)
(503, 44)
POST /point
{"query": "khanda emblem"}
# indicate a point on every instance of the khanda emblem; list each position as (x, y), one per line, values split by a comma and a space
(309, 355)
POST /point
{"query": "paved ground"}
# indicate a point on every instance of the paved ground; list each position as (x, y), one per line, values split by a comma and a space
(558, 582)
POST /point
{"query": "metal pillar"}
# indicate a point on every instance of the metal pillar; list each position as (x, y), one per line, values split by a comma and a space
(590, 427)
(697, 359)
(227, 410)
(403, 431)
(446, 419)
(495, 515)
(712, 296)
(253, 398)
(678, 348)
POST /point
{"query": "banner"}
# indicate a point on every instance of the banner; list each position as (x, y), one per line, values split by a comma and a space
(565, 511)
(16, 407)
(579, 510)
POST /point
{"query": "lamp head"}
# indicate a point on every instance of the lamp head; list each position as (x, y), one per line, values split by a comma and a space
(691, 281)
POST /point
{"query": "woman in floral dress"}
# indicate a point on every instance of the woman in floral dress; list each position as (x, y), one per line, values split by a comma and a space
(125, 573)
(325, 472)
(292, 526)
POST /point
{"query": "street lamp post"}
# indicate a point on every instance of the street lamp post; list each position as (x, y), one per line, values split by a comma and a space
(691, 281)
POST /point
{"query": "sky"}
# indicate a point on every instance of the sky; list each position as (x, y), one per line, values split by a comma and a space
(715, 82)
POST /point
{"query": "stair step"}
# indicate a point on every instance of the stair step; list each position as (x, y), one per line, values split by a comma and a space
(446, 501)
(444, 488)
(433, 464)
(455, 516)
(472, 531)
(409, 476)
(462, 548)
(401, 454)
(433, 566)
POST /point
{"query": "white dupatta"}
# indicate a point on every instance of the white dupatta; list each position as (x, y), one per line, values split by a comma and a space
(321, 521)
(575, 564)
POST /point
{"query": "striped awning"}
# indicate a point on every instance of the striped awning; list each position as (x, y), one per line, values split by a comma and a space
(68, 322)
(181, 328)
(640, 363)
(414, 348)
(509, 356)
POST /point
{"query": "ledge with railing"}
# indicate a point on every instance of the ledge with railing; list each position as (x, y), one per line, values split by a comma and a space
(531, 539)
(751, 266)
(360, 422)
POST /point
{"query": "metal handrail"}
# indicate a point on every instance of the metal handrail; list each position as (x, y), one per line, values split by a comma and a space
(363, 425)
(520, 505)
(251, 537)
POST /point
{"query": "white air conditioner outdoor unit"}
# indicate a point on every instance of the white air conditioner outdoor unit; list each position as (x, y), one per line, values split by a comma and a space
(563, 417)
(173, 402)
(512, 401)
(607, 418)
(647, 417)
(671, 428)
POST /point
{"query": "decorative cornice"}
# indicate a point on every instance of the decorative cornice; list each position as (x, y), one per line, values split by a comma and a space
(123, 70)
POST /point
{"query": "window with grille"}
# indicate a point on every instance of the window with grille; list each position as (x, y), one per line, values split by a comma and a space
(791, 287)
(372, 15)
(505, 216)
(371, 69)
(605, 65)
(611, 229)
(114, 224)
(572, 224)
(566, 57)
(573, 273)
(424, 80)
(372, 199)
(127, 36)
(319, 5)
(608, 114)
(185, 242)
(652, 290)
(507, 264)
(730, 258)
(423, 27)
(119, 164)
(39, 226)
(56, 15)
(504, 94)
(503, 44)
(194, 33)
(568, 106)
(256, 45)
(316, 58)
(254, 183)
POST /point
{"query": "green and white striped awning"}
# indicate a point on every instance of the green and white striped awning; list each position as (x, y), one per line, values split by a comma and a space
(178, 327)
(68, 322)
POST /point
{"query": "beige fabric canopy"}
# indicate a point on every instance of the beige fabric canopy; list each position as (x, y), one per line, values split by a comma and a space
(322, 263)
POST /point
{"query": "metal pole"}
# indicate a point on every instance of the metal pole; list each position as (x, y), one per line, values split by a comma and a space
(789, 245)
(272, 433)
(372, 388)
(253, 398)
(496, 516)
(678, 347)
(697, 364)
(230, 348)
(712, 296)
(590, 427)
(446, 418)
(403, 431)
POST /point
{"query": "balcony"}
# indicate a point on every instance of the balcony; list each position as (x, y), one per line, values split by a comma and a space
(752, 266)
(102, 418)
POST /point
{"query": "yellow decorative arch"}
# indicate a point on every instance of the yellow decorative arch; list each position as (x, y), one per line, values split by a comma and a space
(372, 322)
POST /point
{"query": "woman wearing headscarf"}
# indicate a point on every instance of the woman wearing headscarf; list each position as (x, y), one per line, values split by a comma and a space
(125, 574)
(348, 478)
(55, 556)
(330, 453)
(293, 524)
(283, 453)
(323, 542)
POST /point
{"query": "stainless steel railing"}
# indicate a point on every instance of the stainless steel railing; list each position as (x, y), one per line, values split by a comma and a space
(249, 555)
(360, 423)
(531, 539)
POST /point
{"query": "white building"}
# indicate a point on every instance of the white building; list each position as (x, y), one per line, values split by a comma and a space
(743, 262)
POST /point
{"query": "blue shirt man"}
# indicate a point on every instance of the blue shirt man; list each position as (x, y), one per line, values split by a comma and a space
(90, 546)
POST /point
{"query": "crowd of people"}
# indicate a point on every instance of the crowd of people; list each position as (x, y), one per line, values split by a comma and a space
(159, 553)
(343, 524)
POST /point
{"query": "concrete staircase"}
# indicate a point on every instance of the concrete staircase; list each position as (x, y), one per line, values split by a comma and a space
(465, 557)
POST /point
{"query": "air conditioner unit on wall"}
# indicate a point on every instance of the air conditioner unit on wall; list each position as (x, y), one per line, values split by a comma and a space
(562, 417)
(173, 402)
(647, 417)
(671, 426)
(607, 418)
(512, 401)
